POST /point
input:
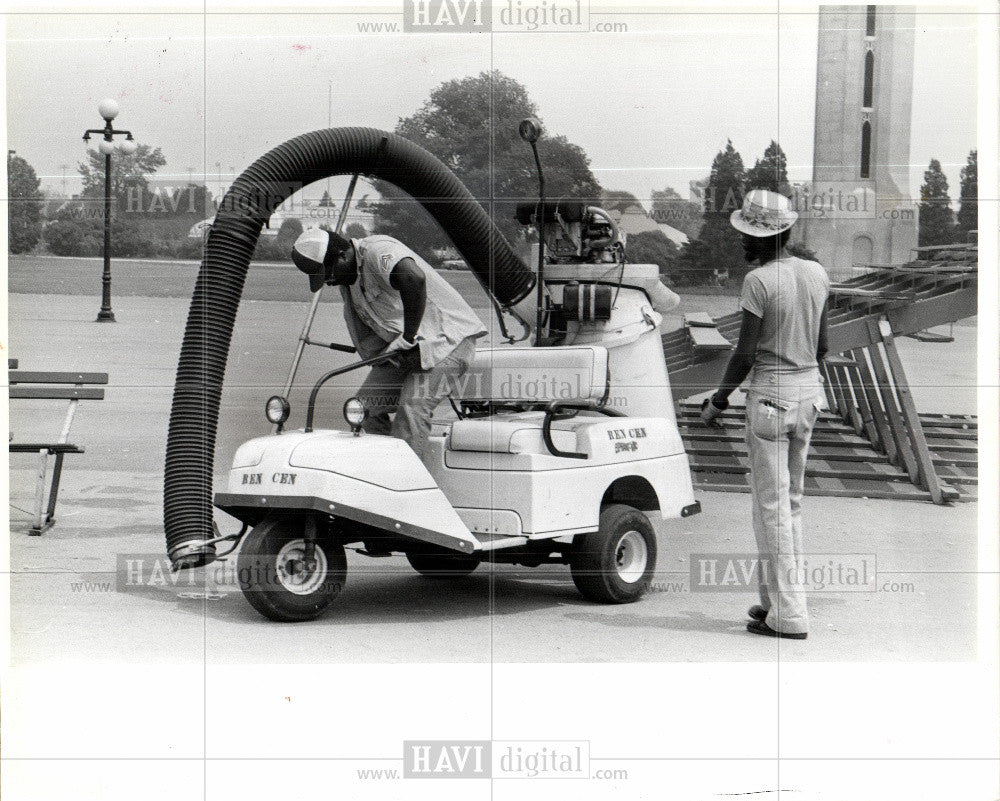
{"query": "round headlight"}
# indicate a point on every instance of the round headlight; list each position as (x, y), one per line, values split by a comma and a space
(277, 410)
(355, 413)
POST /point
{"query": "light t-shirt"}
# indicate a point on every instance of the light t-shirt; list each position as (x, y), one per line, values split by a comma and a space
(373, 309)
(788, 294)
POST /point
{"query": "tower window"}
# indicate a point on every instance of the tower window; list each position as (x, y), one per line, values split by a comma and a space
(862, 250)
(866, 149)
(869, 78)
(870, 24)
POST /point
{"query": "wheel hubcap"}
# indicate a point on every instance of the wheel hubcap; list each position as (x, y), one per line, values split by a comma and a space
(295, 574)
(630, 557)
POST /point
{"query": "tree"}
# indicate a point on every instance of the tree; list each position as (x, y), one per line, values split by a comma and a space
(968, 214)
(129, 175)
(617, 200)
(769, 172)
(471, 125)
(652, 247)
(191, 200)
(718, 250)
(355, 231)
(936, 220)
(671, 209)
(25, 206)
(326, 201)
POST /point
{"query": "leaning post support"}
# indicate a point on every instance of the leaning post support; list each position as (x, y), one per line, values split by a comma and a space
(864, 407)
(928, 475)
(896, 425)
(885, 438)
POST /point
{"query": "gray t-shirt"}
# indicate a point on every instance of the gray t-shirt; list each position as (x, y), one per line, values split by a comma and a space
(788, 294)
(373, 309)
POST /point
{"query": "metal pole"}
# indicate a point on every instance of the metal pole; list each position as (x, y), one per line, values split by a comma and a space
(315, 301)
(105, 315)
(540, 226)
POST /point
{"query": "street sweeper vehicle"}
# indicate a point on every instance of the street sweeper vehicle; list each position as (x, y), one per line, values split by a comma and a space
(557, 451)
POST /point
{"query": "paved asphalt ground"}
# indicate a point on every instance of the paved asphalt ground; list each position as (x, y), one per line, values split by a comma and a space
(64, 594)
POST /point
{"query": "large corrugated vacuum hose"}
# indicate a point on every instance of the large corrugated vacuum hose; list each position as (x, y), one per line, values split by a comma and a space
(194, 415)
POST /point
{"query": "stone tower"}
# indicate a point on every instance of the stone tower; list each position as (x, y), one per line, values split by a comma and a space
(864, 90)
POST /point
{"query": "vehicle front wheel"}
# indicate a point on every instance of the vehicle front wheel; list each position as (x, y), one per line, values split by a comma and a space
(615, 565)
(442, 563)
(276, 578)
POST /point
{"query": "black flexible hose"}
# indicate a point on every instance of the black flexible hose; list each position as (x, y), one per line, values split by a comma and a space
(194, 415)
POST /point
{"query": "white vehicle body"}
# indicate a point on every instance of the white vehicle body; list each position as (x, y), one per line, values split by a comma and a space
(491, 482)
(558, 454)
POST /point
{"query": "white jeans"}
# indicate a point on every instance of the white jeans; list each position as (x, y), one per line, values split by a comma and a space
(412, 393)
(781, 413)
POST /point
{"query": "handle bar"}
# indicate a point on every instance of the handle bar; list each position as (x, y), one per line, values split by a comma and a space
(555, 407)
(331, 345)
(340, 371)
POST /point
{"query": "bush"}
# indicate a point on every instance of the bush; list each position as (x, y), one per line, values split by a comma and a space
(129, 241)
(186, 248)
(270, 249)
(66, 238)
(78, 230)
(288, 233)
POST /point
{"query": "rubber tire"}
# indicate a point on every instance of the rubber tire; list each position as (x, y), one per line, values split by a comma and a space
(442, 564)
(257, 558)
(592, 558)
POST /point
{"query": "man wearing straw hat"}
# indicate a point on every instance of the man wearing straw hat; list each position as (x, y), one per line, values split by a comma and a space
(782, 341)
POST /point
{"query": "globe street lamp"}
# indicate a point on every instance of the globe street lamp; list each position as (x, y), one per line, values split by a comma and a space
(108, 109)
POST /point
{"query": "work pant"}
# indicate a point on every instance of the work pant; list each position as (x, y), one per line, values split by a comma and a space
(780, 420)
(412, 393)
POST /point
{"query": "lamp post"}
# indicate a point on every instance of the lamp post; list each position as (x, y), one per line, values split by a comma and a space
(530, 130)
(108, 109)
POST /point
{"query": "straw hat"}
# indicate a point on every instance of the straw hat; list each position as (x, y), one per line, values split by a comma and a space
(764, 213)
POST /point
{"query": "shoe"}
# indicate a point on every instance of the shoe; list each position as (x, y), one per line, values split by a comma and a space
(760, 627)
(757, 612)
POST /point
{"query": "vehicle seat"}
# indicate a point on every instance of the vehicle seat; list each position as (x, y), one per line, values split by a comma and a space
(537, 375)
(529, 376)
(520, 432)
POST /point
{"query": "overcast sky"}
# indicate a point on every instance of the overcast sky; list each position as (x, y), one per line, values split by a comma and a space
(650, 106)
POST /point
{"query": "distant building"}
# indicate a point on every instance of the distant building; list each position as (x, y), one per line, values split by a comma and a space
(633, 219)
(312, 215)
(859, 210)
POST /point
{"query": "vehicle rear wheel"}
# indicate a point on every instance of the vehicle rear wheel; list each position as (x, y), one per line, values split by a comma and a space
(615, 565)
(275, 578)
(441, 563)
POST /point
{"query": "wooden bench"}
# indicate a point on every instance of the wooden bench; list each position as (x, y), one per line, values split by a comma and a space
(72, 387)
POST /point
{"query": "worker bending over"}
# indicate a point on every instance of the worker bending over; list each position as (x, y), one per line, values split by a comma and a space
(394, 302)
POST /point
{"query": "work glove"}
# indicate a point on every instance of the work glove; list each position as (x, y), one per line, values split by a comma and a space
(710, 411)
(401, 347)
